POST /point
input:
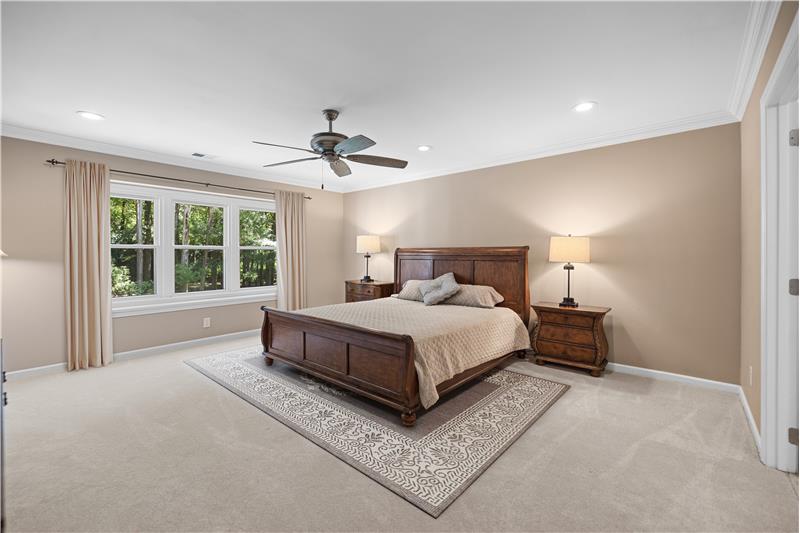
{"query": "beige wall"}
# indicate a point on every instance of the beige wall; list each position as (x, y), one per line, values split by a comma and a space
(751, 217)
(32, 235)
(663, 215)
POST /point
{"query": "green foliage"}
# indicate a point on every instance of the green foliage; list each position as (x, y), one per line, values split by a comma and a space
(122, 285)
(198, 270)
(198, 225)
(124, 227)
(257, 268)
(132, 272)
(256, 228)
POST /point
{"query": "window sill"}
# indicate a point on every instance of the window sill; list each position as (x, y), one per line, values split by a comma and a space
(168, 305)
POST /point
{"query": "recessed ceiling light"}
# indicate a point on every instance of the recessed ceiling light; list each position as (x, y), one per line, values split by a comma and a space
(584, 106)
(91, 116)
(423, 148)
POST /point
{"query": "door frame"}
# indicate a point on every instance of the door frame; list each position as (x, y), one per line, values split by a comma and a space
(778, 381)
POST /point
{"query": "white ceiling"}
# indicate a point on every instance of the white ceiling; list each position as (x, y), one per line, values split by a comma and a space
(482, 83)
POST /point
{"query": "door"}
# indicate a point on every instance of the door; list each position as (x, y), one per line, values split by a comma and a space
(787, 272)
(779, 259)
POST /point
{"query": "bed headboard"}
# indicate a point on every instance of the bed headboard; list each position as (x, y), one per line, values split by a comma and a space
(504, 267)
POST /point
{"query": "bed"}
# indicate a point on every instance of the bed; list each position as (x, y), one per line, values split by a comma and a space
(369, 347)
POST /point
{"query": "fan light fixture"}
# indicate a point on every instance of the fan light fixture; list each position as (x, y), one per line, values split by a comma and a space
(423, 148)
(584, 107)
(90, 116)
(335, 148)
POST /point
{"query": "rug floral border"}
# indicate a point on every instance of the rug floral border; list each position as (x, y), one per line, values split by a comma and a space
(430, 472)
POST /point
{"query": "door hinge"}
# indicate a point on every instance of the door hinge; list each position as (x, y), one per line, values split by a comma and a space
(794, 287)
(793, 137)
(793, 436)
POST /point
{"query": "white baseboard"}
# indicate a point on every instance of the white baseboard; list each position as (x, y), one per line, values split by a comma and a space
(748, 414)
(36, 371)
(133, 354)
(153, 350)
(669, 376)
(700, 382)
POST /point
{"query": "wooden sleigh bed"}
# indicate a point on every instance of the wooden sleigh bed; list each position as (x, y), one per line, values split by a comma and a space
(380, 365)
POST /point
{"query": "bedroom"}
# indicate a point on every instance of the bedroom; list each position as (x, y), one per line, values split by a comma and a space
(617, 158)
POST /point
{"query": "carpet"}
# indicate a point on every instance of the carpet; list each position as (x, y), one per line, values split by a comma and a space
(429, 465)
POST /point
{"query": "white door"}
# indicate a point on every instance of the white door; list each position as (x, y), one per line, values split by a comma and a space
(787, 270)
(779, 259)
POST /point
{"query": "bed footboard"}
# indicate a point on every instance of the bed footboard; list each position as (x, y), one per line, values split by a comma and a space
(374, 364)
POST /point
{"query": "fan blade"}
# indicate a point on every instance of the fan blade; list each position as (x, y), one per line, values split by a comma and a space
(353, 145)
(293, 161)
(284, 146)
(378, 160)
(340, 168)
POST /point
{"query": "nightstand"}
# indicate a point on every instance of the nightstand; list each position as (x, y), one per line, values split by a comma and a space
(572, 336)
(359, 291)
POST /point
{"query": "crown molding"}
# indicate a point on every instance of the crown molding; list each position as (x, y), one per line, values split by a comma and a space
(757, 31)
(695, 122)
(706, 120)
(58, 139)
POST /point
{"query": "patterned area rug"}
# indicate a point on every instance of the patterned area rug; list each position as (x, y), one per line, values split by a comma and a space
(429, 465)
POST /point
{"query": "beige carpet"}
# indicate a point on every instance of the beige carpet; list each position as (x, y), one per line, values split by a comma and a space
(152, 445)
(430, 464)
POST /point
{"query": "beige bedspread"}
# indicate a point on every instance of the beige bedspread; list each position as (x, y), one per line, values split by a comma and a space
(448, 339)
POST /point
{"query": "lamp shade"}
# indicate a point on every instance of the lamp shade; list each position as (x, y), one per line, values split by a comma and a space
(368, 244)
(569, 249)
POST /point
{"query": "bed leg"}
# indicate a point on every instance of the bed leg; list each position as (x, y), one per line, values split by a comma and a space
(409, 418)
(268, 360)
(521, 354)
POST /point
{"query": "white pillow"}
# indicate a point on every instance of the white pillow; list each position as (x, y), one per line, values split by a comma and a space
(410, 290)
(475, 296)
(438, 290)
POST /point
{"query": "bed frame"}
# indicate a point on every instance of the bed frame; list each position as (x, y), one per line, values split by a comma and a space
(380, 365)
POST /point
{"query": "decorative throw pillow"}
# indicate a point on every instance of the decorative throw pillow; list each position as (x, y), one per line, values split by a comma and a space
(475, 296)
(438, 290)
(410, 290)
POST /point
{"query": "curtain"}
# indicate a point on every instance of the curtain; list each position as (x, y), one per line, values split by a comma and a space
(87, 264)
(290, 231)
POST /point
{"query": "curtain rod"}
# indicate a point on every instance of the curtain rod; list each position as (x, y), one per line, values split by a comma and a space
(55, 162)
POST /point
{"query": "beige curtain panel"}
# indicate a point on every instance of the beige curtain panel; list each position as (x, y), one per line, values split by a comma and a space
(290, 230)
(87, 264)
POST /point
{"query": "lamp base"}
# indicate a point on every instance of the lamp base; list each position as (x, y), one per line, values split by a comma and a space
(367, 279)
(568, 302)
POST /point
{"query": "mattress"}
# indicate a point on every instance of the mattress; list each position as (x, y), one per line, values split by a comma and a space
(448, 339)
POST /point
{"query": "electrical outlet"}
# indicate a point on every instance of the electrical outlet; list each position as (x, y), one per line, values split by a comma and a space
(750, 375)
(207, 322)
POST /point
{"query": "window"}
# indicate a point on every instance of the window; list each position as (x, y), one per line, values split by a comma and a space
(257, 256)
(132, 247)
(174, 249)
(199, 250)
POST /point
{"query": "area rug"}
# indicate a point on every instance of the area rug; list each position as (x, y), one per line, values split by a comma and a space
(429, 465)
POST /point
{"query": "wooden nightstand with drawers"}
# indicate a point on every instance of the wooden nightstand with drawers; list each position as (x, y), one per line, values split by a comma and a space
(572, 336)
(359, 291)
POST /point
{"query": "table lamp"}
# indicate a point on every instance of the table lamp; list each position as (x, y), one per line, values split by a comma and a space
(569, 250)
(367, 244)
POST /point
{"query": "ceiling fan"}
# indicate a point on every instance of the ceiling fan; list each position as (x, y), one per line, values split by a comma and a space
(335, 148)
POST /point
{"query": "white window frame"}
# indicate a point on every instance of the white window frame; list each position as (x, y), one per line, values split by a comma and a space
(135, 195)
(165, 298)
(243, 207)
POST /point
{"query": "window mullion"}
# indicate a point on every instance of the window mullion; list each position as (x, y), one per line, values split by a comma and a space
(231, 247)
(167, 237)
